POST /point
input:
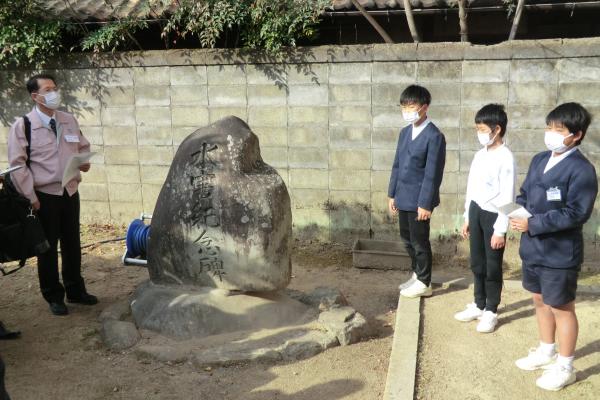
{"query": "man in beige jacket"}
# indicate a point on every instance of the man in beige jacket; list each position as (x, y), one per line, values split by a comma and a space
(55, 137)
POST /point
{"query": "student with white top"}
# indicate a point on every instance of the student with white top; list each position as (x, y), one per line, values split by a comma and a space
(491, 184)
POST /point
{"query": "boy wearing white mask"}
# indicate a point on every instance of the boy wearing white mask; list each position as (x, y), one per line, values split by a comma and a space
(559, 191)
(54, 137)
(414, 189)
(491, 184)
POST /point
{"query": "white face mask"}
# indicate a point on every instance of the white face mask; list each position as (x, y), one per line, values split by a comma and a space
(411, 116)
(484, 138)
(555, 141)
(51, 100)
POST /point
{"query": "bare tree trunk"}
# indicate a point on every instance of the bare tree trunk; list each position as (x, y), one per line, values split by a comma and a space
(372, 21)
(515, 25)
(462, 16)
(411, 22)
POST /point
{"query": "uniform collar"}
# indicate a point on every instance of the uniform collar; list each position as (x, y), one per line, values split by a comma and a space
(44, 119)
(418, 129)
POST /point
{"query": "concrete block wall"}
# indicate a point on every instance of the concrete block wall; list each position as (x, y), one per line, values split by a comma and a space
(327, 118)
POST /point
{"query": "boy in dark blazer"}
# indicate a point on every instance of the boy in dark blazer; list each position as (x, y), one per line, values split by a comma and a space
(559, 191)
(414, 189)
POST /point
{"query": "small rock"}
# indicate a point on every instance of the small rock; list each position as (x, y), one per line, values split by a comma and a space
(119, 335)
(117, 311)
(309, 344)
(322, 297)
(345, 323)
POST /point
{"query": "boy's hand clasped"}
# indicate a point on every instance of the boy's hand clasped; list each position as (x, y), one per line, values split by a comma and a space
(520, 225)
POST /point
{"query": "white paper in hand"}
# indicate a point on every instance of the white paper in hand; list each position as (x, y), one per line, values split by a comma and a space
(514, 210)
(9, 170)
(72, 168)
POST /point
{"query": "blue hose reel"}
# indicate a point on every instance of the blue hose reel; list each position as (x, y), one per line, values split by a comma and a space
(136, 241)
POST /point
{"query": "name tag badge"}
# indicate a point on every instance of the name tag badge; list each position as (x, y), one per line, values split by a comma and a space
(553, 194)
(72, 138)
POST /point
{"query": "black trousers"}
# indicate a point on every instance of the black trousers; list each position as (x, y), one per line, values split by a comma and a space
(486, 263)
(59, 216)
(3, 394)
(415, 235)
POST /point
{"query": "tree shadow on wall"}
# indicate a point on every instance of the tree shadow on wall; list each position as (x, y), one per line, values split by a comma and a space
(83, 90)
(348, 221)
(276, 68)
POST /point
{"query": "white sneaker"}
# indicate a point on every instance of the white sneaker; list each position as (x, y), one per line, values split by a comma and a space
(417, 289)
(470, 313)
(487, 322)
(535, 360)
(556, 377)
(409, 282)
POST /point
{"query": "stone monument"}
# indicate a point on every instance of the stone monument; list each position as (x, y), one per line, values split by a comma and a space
(223, 216)
(219, 259)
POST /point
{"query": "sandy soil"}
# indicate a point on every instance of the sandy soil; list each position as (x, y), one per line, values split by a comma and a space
(457, 362)
(63, 358)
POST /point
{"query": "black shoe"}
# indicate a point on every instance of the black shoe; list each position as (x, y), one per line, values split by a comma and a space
(85, 298)
(59, 308)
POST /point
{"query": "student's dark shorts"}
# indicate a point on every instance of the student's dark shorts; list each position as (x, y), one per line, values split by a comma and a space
(557, 286)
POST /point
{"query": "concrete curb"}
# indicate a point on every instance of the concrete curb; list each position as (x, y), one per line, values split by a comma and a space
(400, 382)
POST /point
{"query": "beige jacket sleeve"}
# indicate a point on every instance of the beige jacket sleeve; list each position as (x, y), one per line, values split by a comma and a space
(17, 155)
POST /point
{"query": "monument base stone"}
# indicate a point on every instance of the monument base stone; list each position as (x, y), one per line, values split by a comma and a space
(183, 312)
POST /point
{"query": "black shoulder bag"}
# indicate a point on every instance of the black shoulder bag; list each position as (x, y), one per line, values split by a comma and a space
(21, 232)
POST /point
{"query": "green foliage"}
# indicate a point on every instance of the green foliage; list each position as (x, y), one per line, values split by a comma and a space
(262, 24)
(275, 24)
(113, 35)
(511, 6)
(206, 20)
(29, 35)
(26, 37)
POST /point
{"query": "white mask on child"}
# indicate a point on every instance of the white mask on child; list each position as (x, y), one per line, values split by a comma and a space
(555, 141)
(484, 138)
(411, 116)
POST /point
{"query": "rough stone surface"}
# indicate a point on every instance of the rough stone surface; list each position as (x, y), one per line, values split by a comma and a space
(184, 312)
(119, 335)
(297, 345)
(223, 216)
(345, 323)
(117, 311)
(322, 297)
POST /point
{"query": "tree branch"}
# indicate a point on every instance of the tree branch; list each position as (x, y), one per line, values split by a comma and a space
(411, 22)
(515, 25)
(462, 17)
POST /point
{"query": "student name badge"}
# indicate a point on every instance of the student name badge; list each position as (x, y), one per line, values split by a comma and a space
(72, 138)
(553, 194)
